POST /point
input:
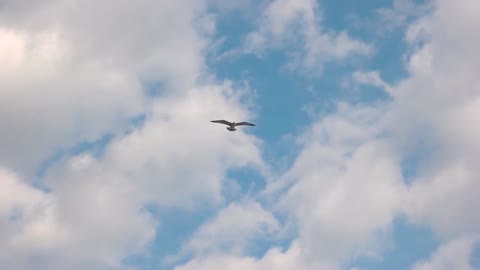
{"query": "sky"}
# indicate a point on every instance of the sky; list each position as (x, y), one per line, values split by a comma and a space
(364, 155)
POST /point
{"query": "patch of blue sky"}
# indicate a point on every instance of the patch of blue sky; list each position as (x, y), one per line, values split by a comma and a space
(475, 257)
(279, 98)
(338, 13)
(414, 158)
(248, 180)
(175, 227)
(153, 88)
(410, 244)
(361, 20)
(280, 94)
(261, 245)
(277, 87)
(421, 148)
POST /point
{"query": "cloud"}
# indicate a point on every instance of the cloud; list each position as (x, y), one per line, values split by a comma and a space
(36, 224)
(178, 158)
(431, 118)
(160, 163)
(452, 255)
(348, 183)
(343, 166)
(346, 186)
(372, 78)
(400, 13)
(390, 18)
(233, 230)
(273, 259)
(433, 112)
(297, 23)
(26, 215)
(73, 72)
(101, 199)
(47, 103)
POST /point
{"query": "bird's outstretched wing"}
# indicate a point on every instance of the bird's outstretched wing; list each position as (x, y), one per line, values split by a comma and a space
(244, 124)
(222, 122)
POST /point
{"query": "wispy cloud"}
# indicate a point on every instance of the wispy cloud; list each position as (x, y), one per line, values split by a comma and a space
(295, 26)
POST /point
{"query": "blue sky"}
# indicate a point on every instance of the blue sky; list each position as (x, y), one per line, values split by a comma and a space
(364, 154)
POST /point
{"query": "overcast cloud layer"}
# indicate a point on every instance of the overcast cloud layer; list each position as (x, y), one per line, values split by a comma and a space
(104, 127)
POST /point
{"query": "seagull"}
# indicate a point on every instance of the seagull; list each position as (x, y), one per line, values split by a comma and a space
(232, 125)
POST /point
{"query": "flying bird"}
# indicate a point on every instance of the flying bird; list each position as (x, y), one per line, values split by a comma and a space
(232, 125)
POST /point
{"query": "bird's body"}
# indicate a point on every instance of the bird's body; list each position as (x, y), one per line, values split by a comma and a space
(232, 125)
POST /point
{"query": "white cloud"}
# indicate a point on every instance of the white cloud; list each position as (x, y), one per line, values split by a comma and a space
(178, 157)
(441, 199)
(46, 102)
(274, 259)
(75, 71)
(452, 255)
(298, 23)
(233, 230)
(95, 205)
(71, 229)
(72, 72)
(347, 186)
(433, 116)
(26, 215)
(372, 78)
(434, 112)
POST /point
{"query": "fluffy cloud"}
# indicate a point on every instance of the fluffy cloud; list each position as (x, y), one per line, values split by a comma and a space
(48, 103)
(75, 226)
(177, 158)
(291, 21)
(347, 186)
(93, 214)
(434, 112)
(72, 72)
(26, 215)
